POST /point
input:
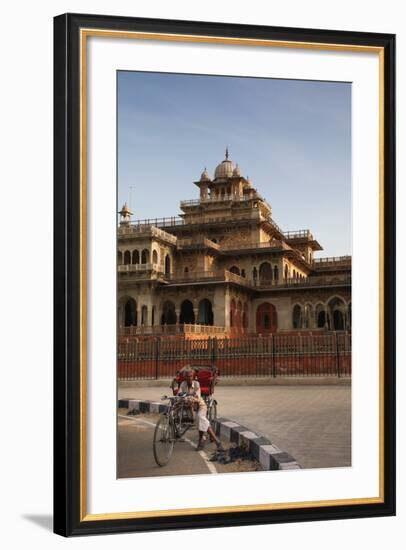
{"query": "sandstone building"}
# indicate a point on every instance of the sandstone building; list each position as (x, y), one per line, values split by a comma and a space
(225, 267)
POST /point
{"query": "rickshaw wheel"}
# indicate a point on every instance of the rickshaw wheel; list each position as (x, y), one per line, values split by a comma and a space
(164, 440)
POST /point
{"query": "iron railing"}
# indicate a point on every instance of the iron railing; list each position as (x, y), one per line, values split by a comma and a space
(276, 355)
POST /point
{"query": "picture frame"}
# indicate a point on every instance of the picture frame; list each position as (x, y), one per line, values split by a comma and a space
(73, 281)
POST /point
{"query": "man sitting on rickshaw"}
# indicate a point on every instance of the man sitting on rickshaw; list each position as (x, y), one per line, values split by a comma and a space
(191, 388)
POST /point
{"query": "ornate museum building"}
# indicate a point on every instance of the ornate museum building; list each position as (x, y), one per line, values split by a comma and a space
(225, 267)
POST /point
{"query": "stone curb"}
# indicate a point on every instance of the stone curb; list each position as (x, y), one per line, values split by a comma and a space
(268, 455)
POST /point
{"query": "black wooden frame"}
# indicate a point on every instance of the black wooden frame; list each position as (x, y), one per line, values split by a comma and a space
(67, 275)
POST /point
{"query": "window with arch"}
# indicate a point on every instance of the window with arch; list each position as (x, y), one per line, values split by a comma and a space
(205, 313)
(286, 271)
(265, 272)
(130, 313)
(168, 313)
(267, 318)
(127, 257)
(235, 269)
(154, 257)
(187, 314)
(297, 316)
(136, 257)
(119, 257)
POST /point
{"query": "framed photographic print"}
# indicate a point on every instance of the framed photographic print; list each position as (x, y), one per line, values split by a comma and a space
(224, 274)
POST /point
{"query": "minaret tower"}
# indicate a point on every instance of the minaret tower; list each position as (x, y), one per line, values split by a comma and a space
(125, 215)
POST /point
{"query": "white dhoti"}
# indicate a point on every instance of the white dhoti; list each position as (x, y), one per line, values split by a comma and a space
(201, 419)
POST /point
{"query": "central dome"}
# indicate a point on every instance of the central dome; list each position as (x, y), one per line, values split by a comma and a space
(224, 169)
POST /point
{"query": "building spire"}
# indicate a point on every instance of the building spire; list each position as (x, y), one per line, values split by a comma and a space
(227, 152)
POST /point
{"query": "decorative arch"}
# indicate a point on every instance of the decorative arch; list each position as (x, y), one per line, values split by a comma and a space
(130, 313)
(321, 316)
(136, 257)
(127, 257)
(267, 318)
(235, 269)
(154, 257)
(205, 313)
(297, 316)
(119, 257)
(336, 313)
(265, 272)
(168, 313)
(286, 273)
(187, 314)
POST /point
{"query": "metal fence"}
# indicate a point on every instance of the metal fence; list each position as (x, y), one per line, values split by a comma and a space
(276, 355)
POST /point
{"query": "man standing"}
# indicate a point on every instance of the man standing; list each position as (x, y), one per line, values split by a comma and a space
(191, 387)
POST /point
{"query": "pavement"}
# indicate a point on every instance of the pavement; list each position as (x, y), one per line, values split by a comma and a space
(312, 423)
(135, 456)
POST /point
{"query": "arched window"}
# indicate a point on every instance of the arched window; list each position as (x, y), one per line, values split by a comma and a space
(136, 257)
(243, 273)
(167, 265)
(153, 316)
(336, 310)
(254, 273)
(297, 316)
(144, 315)
(145, 256)
(235, 269)
(187, 315)
(267, 318)
(265, 272)
(205, 314)
(127, 257)
(154, 257)
(119, 257)
(321, 319)
(276, 273)
(286, 271)
(130, 313)
(168, 314)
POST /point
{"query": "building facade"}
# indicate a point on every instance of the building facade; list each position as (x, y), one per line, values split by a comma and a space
(223, 266)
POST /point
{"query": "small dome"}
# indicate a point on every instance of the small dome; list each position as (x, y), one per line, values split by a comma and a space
(205, 176)
(224, 169)
(125, 210)
(237, 171)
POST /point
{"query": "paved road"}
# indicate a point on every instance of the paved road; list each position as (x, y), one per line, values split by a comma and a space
(135, 457)
(312, 423)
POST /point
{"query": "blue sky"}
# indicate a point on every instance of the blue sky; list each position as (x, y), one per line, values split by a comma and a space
(291, 137)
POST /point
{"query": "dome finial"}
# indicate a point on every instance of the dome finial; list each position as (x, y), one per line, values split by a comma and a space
(227, 152)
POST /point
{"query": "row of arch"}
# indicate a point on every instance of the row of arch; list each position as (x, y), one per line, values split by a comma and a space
(267, 273)
(169, 315)
(135, 257)
(333, 315)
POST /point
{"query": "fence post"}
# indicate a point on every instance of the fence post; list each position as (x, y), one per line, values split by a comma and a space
(157, 352)
(337, 355)
(214, 351)
(273, 355)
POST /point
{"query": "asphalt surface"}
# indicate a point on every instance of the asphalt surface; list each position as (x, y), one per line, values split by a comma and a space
(135, 455)
(312, 423)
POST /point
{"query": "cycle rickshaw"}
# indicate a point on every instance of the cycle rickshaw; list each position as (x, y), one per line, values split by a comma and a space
(178, 418)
